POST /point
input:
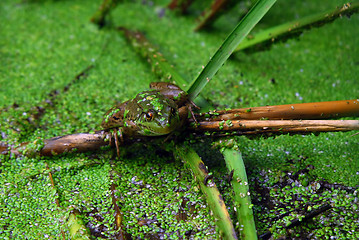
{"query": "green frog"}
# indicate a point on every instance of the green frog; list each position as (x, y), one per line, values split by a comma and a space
(157, 112)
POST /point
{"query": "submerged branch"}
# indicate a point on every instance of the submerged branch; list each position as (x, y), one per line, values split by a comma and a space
(160, 66)
(79, 142)
(297, 222)
(31, 117)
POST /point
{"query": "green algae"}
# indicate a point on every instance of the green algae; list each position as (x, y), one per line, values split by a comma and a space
(320, 65)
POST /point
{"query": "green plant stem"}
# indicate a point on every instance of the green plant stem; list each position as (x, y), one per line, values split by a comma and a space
(214, 198)
(292, 29)
(242, 200)
(229, 45)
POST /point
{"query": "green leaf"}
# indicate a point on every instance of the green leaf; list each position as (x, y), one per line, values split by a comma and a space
(229, 45)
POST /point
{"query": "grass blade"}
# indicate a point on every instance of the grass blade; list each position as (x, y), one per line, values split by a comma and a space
(266, 38)
(229, 45)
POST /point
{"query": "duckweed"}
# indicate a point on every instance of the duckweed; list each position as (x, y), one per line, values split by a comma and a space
(287, 174)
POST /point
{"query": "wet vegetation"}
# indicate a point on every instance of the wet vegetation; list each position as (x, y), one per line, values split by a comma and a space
(60, 73)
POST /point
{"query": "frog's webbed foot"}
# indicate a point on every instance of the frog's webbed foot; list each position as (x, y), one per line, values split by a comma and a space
(117, 147)
(189, 105)
(183, 112)
(115, 132)
(193, 104)
(192, 113)
(174, 92)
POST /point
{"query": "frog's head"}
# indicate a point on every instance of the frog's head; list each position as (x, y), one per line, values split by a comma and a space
(157, 114)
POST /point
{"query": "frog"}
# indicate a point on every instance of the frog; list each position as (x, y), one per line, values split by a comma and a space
(157, 112)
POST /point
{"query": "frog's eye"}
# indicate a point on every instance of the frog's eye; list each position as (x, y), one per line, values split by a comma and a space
(150, 115)
(173, 111)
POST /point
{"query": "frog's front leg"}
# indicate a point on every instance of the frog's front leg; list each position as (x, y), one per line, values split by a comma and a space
(175, 93)
(183, 114)
(115, 133)
(118, 132)
(113, 122)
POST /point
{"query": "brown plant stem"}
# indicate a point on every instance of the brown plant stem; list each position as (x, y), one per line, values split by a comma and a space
(315, 110)
(57, 194)
(180, 4)
(281, 126)
(120, 233)
(217, 8)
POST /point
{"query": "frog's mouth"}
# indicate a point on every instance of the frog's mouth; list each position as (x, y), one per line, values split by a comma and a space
(159, 128)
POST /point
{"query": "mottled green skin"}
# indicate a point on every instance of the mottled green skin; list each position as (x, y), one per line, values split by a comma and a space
(150, 113)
